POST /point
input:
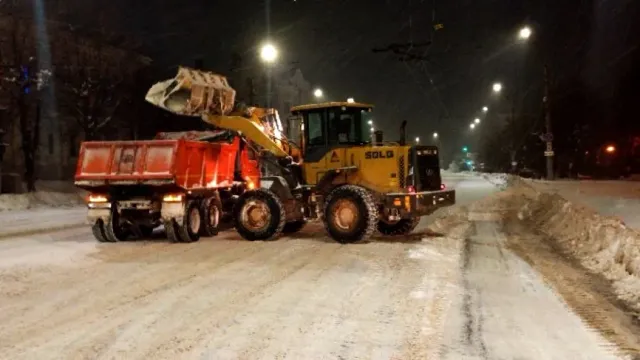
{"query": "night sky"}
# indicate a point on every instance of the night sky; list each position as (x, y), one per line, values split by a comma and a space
(592, 43)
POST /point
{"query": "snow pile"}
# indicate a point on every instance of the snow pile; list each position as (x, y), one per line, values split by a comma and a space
(39, 199)
(604, 245)
(498, 179)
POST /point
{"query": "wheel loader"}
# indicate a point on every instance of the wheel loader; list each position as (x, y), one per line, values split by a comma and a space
(328, 168)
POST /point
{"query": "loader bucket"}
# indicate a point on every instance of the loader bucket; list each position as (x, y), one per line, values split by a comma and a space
(193, 93)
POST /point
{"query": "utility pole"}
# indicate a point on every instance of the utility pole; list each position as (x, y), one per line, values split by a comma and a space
(548, 137)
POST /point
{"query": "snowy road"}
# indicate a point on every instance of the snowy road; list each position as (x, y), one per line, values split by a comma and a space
(458, 292)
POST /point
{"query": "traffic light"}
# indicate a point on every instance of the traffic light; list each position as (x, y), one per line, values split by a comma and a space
(465, 149)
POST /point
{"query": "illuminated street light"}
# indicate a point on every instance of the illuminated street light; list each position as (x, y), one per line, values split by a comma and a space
(268, 53)
(477, 121)
(497, 87)
(318, 93)
(472, 126)
(610, 149)
(372, 130)
(417, 140)
(370, 122)
(350, 100)
(485, 109)
(435, 135)
(525, 33)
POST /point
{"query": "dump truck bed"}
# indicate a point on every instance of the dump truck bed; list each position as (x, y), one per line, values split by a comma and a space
(180, 163)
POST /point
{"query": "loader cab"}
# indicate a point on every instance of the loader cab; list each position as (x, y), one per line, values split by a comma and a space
(318, 128)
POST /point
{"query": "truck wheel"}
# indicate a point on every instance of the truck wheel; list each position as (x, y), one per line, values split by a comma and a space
(189, 231)
(113, 230)
(98, 231)
(171, 229)
(293, 226)
(350, 214)
(259, 215)
(402, 227)
(211, 214)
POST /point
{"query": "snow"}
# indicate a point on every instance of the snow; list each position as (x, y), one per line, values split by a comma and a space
(603, 244)
(620, 199)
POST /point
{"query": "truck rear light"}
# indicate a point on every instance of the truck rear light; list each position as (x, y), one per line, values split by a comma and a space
(442, 187)
(95, 198)
(172, 198)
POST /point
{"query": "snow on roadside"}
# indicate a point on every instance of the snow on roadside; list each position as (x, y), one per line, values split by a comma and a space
(604, 245)
(39, 199)
(614, 198)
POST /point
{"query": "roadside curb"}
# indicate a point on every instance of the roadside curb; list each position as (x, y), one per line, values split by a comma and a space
(19, 233)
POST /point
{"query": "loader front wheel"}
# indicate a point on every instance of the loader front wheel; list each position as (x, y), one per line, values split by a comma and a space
(350, 214)
(401, 227)
(259, 215)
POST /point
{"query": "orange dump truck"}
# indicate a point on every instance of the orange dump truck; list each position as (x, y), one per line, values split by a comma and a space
(184, 181)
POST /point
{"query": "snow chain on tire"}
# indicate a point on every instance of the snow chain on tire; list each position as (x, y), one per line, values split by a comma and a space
(366, 206)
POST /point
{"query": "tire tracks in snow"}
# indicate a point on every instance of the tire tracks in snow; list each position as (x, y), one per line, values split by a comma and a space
(589, 295)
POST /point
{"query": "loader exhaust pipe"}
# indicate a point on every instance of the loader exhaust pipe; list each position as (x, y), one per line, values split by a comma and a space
(403, 133)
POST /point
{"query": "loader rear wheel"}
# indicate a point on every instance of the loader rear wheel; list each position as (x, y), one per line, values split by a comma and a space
(189, 231)
(259, 215)
(350, 214)
(293, 226)
(211, 213)
(401, 227)
(114, 230)
(98, 231)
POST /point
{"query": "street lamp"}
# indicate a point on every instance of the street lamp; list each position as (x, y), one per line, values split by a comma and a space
(485, 109)
(525, 33)
(477, 121)
(268, 53)
(417, 140)
(472, 126)
(318, 93)
(350, 100)
(370, 122)
(435, 135)
(497, 87)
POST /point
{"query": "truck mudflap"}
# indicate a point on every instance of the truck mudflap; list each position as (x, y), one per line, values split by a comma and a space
(421, 203)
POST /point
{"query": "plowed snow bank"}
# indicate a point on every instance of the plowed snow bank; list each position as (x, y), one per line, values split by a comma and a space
(38, 199)
(603, 245)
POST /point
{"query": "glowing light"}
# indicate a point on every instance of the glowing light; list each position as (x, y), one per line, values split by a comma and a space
(268, 53)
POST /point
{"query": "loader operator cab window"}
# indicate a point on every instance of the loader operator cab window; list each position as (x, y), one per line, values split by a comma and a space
(348, 125)
(315, 125)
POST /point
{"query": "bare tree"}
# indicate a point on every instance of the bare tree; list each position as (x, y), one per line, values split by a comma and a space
(22, 82)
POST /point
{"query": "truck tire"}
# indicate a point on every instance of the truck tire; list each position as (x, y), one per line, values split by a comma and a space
(171, 228)
(402, 227)
(259, 215)
(113, 230)
(350, 214)
(211, 214)
(189, 231)
(294, 226)
(98, 231)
